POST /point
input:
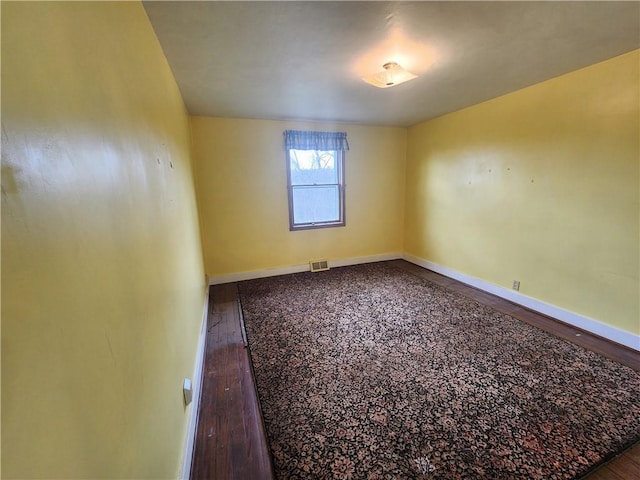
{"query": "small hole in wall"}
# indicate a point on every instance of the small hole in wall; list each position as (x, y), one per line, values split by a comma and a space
(171, 163)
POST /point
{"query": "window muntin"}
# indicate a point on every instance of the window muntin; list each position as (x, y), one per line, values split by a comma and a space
(316, 188)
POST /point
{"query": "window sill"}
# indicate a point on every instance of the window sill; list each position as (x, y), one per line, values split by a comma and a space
(313, 226)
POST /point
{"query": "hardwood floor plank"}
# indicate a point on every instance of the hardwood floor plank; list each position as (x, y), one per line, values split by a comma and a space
(625, 468)
(230, 438)
(604, 473)
(634, 453)
(611, 350)
(622, 467)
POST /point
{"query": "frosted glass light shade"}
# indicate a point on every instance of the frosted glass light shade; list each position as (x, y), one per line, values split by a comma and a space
(392, 75)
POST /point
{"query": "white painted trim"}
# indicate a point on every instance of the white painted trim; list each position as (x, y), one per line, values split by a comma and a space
(304, 267)
(196, 381)
(368, 259)
(596, 327)
(267, 272)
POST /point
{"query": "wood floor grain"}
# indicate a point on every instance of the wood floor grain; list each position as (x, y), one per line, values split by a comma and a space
(230, 438)
(627, 465)
(614, 351)
(624, 467)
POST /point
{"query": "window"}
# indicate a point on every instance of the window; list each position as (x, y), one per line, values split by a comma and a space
(315, 170)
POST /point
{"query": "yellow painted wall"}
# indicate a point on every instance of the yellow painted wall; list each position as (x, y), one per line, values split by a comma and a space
(102, 275)
(242, 191)
(540, 186)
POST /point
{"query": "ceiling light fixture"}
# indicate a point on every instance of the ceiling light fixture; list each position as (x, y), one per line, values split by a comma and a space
(393, 74)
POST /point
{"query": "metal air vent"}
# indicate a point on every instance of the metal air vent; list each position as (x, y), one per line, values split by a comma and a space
(319, 265)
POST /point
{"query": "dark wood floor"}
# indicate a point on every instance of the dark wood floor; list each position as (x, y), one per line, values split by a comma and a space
(230, 440)
(624, 467)
(614, 351)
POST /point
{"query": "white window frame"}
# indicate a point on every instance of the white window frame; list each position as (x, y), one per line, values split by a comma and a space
(340, 222)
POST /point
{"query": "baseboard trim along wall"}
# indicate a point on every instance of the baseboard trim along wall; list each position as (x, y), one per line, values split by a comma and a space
(194, 408)
(272, 272)
(596, 327)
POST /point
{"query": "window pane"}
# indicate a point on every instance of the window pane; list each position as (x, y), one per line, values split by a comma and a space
(313, 167)
(316, 204)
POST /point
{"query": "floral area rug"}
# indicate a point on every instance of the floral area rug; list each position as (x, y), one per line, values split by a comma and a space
(369, 372)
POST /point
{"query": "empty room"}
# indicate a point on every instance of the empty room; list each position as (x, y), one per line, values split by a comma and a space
(320, 240)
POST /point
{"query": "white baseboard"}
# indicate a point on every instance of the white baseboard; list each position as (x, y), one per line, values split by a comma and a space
(591, 325)
(185, 470)
(367, 259)
(304, 267)
(596, 327)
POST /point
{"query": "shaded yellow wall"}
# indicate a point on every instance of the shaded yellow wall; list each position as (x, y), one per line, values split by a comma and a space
(242, 191)
(102, 276)
(540, 186)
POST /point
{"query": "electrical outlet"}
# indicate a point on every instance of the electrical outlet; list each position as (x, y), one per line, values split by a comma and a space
(187, 391)
(516, 284)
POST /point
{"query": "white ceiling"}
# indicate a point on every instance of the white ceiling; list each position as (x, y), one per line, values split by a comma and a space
(305, 60)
